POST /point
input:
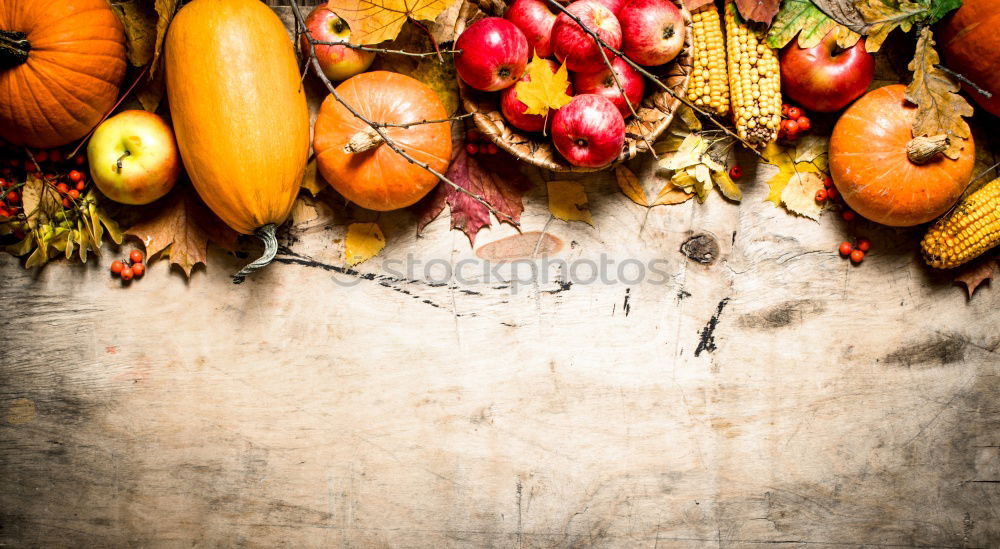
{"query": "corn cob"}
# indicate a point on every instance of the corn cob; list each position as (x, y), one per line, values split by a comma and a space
(967, 232)
(754, 81)
(709, 85)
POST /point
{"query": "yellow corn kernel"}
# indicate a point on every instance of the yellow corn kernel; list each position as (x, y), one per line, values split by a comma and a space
(711, 89)
(971, 229)
(754, 80)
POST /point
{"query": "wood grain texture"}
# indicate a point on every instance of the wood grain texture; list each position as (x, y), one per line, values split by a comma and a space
(773, 395)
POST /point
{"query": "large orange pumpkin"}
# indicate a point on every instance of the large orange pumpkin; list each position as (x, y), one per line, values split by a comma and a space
(372, 175)
(970, 44)
(239, 113)
(61, 62)
(870, 165)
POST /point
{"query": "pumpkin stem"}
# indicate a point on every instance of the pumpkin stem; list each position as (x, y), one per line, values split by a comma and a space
(14, 48)
(266, 235)
(364, 140)
(921, 149)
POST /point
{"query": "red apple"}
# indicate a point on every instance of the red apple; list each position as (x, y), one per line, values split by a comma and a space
(574, 46)
(337, 62)
(824, 78)
(614, 5)
(653, 30)
(603, 83)
(589, 131)
(535, 20)
(513, 109)
(493, 54)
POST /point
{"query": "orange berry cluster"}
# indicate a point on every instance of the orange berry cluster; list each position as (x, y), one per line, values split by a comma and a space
(133, 267)
(794, 122)
(857, 252)
(475, 144)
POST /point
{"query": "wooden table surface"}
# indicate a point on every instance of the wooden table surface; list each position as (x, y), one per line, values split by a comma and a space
(775, 395)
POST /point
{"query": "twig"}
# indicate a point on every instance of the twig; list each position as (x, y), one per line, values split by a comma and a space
(621, 90)
(965, 79)
(430, 37)
(385, 138)
(385, 50)
(652, 77)
(455, 118)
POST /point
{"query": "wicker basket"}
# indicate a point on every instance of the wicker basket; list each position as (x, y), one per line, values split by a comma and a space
(654, 113)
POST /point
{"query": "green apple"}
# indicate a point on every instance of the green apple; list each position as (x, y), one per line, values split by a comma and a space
(133, 157)
(337, 62)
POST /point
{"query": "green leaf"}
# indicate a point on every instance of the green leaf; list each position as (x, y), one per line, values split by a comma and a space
(800, 17)
(940, 8)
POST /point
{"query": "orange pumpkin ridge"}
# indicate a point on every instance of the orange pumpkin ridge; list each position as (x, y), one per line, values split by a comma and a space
(379, 178)
(61, 64)
(874, 175)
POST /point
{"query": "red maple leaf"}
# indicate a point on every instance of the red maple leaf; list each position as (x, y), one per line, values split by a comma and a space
(762, 11)
(494, 178)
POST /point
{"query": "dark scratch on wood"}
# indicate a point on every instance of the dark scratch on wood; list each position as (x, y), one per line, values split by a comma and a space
(706, 336)
(626, 305)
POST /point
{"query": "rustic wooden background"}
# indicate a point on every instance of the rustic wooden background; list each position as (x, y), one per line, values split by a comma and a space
(774, 395)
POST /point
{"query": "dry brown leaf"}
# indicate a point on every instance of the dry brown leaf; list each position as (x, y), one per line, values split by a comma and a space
(761, 11)
(628, 182)
(670, 194)
(139, 19)
(975, 273)
(375, 21)
(181, 222)
(940, 108)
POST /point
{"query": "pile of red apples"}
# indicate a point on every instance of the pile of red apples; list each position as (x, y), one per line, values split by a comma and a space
(589, 131)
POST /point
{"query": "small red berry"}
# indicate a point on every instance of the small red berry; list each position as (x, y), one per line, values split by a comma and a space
(832, 193)
(66, 203)
(30, 166)
(828, 182)
(75, 176)
(4, 212)
(736, 172)
(117, 266)
(13, 197)
(784, 109)
(81, 186)
(74, 194)
(472, 135)
(55, 155)
(857, 256)
(14, 210)
(864, 244)
(138, 270)
(845, 249)
(491, 149)
(483, 149)
(3, 183)
(804, 124)
(848, 215)
(135, 256)
(79, 160)
(126, 273)
(41, 156)
(794, 113)
(821, 196)
(62, 188)
(790, 126)
(471, 148)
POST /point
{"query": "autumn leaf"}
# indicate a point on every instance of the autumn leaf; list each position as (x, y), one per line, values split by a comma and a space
(181, 226)
(694, 168)
(497, 179)
(165, 10)
(692, 5)
(803, 18)
(375, 21)
(637, 192)
(761, 11)
(883, 16)
(808, 156)
(364, 241)
(568, 201)
(543, 89)
(312, 181)
(138, 17)
(977, 272)
(940, 108)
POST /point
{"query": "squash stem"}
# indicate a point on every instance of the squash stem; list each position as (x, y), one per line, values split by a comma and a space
(267, 236)
(14, 48)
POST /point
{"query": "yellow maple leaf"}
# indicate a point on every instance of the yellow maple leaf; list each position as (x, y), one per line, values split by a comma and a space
(807, 156)
(312, 181)
(568, 201)
(364, 241)
(375, 21)
(799, 195)
(545, 90)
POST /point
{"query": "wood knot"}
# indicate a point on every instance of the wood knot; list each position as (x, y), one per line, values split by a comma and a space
(701, 248)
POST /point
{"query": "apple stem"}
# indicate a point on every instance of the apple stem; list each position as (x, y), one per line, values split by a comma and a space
(270, 240)
(118, 163)
(14, 48)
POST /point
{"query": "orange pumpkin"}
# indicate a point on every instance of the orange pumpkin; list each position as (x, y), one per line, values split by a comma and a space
(970, 43)
(877, 175)
(369, 173)
(61, 62)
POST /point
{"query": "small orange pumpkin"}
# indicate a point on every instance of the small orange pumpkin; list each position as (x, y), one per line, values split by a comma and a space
(879, 169)
(61, 62)
(368, 172)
